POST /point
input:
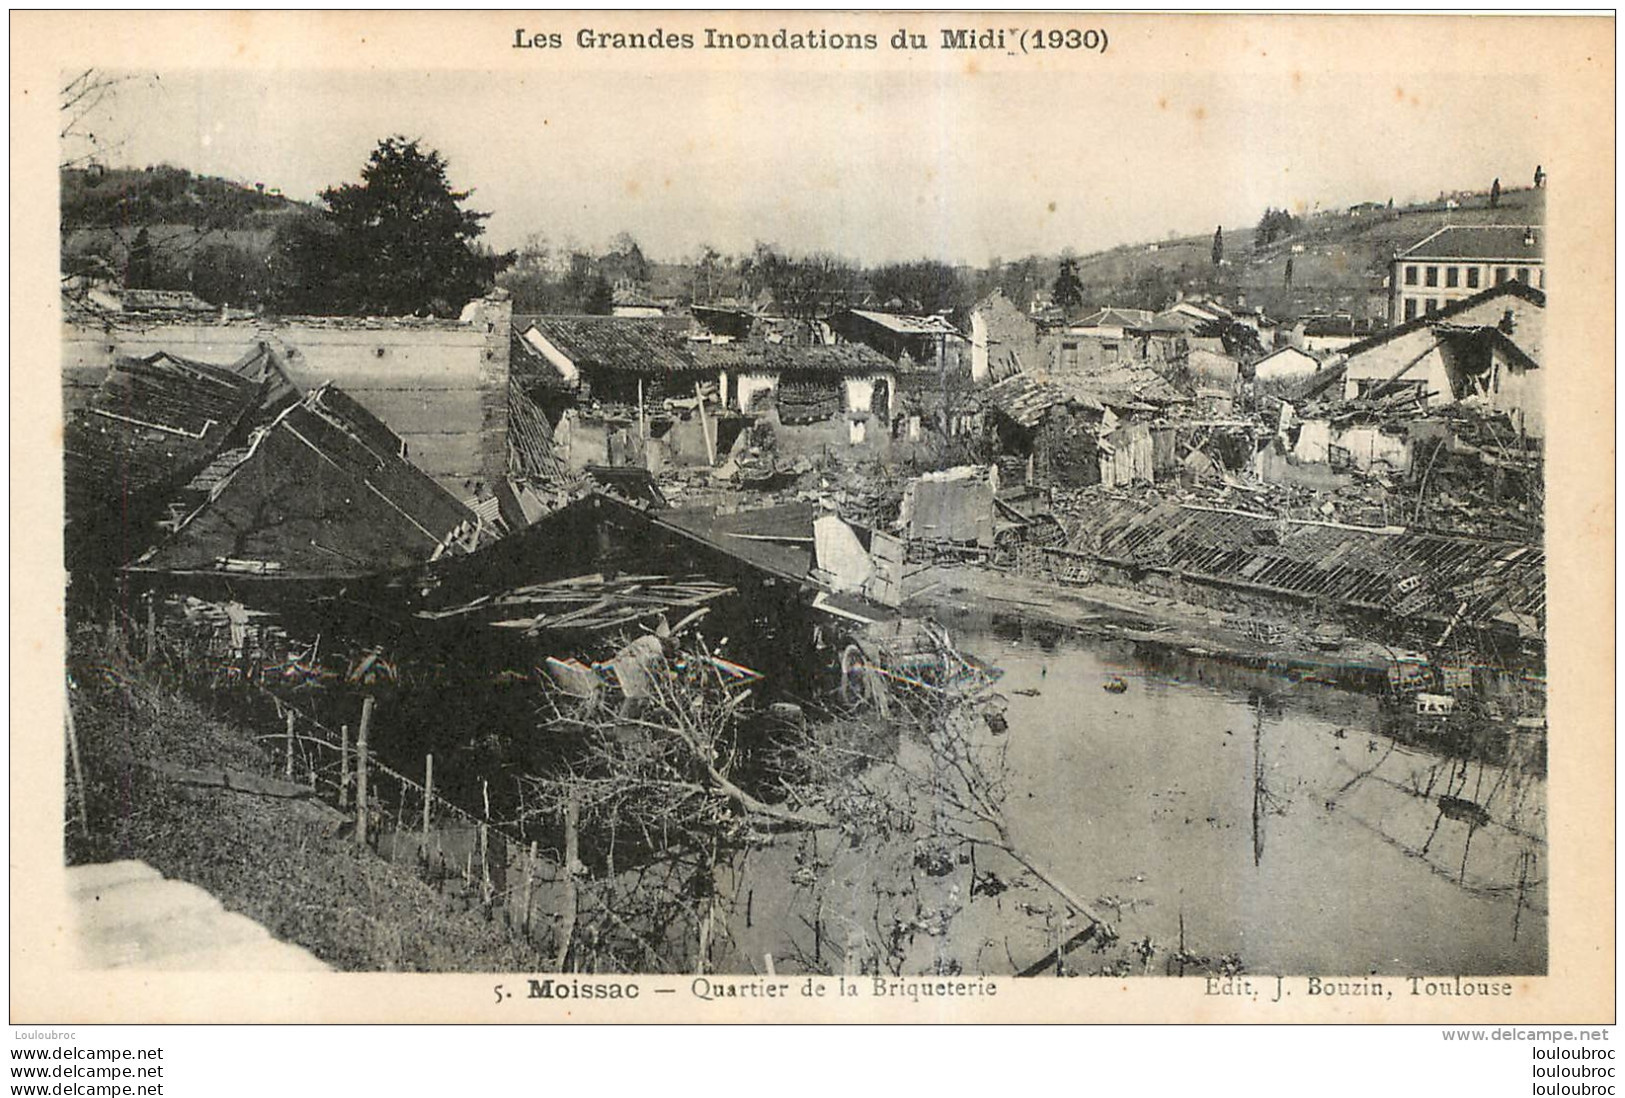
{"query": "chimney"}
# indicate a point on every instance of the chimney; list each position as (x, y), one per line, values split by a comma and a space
(1509, 323)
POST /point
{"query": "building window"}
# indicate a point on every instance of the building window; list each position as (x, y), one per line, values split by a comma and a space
(1432, 305)
(1410, 308)
(1523, 275)
(1433, 276)
(1500, 275)
(1450, 276)
(1472, 278)
(1111, 351)
(1410, 276)
(1069, 356)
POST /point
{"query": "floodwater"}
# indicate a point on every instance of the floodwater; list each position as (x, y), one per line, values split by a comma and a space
(1150, 794)
(1143, 801)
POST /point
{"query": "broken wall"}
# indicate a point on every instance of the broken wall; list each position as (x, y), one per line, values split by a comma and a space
(442, 385)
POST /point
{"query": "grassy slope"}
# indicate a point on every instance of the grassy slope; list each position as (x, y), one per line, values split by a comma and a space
(280, 862)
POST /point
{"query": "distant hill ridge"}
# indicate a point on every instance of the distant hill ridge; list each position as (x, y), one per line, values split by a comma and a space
(116, 198)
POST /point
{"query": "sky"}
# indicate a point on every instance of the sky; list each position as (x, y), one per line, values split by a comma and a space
(878, 169)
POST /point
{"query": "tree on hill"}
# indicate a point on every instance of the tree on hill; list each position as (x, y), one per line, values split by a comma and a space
(1152, 288)
(1274, 225)
(1067, 291)
(1019, 280)
(396, 244)
(140, 268)
(1218, 245)
(1495, 193)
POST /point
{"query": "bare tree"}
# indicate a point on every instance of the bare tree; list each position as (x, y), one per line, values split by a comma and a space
(82, 98)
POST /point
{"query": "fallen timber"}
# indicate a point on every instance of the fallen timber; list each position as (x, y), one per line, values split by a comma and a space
(588, 603)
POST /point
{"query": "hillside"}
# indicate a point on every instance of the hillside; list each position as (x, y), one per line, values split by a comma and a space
(117, 198)
(1342, 265)
(166, 228)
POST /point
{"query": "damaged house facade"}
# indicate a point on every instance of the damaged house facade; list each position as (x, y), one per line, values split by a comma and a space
(920, 340)
(1485, 349)
(633, 392)
(1077, 431)
(841, 395)
(1445, 409)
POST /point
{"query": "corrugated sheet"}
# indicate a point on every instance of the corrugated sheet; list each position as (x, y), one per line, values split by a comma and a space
(1405, 573)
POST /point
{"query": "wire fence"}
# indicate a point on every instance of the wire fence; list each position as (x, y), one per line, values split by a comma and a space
(406, 820)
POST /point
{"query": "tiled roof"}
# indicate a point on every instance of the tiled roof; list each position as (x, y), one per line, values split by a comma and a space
(1026, 397)
(1112, 317)
(1455, 308)
(531, 447)
(154, 423)
(903, 324)
(1518, 243)
(785, 358)
(529, 368)
(1173, 320)
(631, 344)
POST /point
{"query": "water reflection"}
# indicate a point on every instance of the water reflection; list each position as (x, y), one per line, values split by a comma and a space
(1274, 815)
(1216, 811)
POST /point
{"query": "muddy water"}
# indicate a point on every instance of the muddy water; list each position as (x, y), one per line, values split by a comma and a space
(1149, 795)
(1143, 802)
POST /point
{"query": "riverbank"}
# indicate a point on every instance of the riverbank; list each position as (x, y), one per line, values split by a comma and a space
(174, 785)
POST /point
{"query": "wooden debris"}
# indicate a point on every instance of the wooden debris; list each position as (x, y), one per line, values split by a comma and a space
(587, 603)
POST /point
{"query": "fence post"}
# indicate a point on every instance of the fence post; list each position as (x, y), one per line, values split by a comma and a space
(428, 796)
(152, 624)
(361, 771)
(485, 863)
(572, 847)
(530, 877)
(79, 770)
(344, 766)
(287, 765)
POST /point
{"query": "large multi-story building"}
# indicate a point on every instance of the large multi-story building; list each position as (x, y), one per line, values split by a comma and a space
(1458, 261)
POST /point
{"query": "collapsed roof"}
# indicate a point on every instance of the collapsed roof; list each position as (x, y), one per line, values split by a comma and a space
(325, 490)
(155, 422)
